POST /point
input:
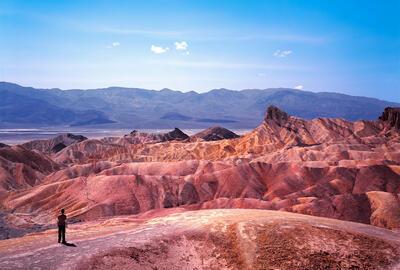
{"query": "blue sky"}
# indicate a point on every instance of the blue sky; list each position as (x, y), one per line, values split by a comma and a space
(341, 46)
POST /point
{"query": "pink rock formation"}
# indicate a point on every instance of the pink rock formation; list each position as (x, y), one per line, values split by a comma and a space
(22, 168)
(322, 167)
(55, 144)
(136, 137)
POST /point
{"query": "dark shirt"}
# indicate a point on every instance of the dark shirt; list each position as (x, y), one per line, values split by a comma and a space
(61, 220)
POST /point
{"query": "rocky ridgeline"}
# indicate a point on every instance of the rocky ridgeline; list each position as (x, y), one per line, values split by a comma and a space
(175, 135)
(216, 134)
(275, 114)
(55, 144)
(3, 145)
(391, 116)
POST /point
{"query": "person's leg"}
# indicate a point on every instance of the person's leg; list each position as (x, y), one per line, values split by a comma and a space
(63, 234)
(59, 234)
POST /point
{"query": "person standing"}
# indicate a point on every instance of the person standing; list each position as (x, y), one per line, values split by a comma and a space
(61, 226)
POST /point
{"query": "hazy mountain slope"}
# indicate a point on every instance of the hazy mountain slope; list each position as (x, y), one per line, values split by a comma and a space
(21, 109)
(140, 108)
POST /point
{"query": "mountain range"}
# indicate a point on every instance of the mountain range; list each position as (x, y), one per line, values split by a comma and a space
(141, 108)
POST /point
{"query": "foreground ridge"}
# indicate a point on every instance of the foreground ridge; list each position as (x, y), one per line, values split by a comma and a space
(210, 239)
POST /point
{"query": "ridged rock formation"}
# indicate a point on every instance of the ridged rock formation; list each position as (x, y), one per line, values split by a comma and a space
(174, 135)
(215, 134)
(23, 168)
(391, 116)
(276, 115)
(322, 167)
(55, 144)
(136, 137)
(3, 145)
(274, 134)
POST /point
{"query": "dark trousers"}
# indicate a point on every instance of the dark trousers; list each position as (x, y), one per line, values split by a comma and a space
(61, 234)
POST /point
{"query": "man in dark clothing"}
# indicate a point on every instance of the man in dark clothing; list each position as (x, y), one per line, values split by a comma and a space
(61, 227)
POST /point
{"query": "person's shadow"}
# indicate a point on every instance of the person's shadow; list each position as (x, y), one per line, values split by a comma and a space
(69, 244)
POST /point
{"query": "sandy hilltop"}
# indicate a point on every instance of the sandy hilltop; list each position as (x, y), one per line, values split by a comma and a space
(129, 199)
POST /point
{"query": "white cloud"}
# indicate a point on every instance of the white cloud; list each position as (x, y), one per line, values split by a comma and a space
(113, 45)
(299, 87)
(280, 53)
(181, 46)
(158, 49)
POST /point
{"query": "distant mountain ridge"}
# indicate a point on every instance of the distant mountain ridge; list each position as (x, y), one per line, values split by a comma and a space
(141, 108)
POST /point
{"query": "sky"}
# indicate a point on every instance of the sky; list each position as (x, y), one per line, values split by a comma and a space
(351, 47)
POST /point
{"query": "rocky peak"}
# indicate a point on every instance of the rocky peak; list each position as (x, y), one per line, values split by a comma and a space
(54, 144)
(216, 133)
(391, 115)
(276, 114)
(141, 137)
(77, 138)
(177, 134)
(3, 145)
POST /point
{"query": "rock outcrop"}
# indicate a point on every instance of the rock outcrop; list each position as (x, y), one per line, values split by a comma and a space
(391, 116)
(55, 144)
(141, 137)
(22, 168)
(275, 114)
(216, 134)
(136, 137)
(3, 145)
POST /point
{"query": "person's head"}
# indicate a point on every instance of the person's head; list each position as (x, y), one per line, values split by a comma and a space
(62, 211)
